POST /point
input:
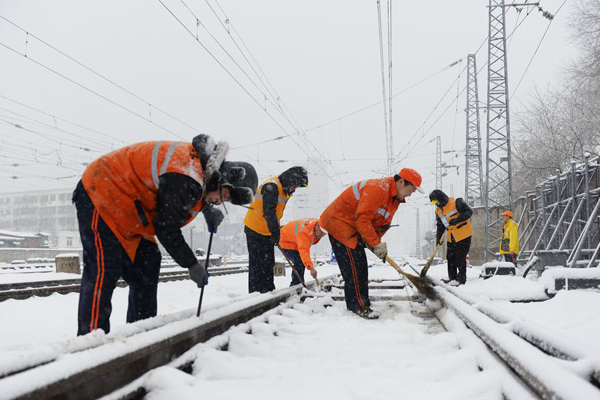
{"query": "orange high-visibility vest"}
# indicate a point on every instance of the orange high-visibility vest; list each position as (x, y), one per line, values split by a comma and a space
(362, 209)
(123, 186)
(299, 235)
(447, 214)
(255, 218)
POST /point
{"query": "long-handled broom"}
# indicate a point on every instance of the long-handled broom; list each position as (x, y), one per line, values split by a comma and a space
(423, 285)
(428, 264)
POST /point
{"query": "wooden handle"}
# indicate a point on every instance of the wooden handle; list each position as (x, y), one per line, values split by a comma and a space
(396, 266)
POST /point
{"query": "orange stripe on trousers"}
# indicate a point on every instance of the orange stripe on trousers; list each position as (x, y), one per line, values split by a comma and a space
(99, 273)
(355, 278)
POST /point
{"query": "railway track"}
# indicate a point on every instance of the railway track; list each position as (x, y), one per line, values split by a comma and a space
(24, 290)
(531, 361)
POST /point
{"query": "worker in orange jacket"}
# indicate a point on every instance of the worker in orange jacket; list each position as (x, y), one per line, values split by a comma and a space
(358, 218)
(131, 196)
(296, 238)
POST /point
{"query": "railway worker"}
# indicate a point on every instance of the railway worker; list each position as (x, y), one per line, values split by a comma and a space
(296, 238)
(262, 225)
(453, 215)
(131, 196)
(509, 245)
(358, 218)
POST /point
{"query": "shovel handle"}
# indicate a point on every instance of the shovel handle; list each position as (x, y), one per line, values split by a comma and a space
(301, 279)
(430, 260)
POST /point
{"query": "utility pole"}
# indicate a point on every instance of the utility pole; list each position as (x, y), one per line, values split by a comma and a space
(438, 163)
(473, 162)
(418, 242)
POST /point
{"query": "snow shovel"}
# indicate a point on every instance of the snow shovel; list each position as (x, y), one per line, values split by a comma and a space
(428, 264)
(423, 285)
(301, 279)
(206, 268)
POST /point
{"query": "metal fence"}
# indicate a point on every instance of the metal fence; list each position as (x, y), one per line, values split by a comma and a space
(561, 216)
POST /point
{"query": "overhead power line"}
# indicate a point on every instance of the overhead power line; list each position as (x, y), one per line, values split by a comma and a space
(338, 119)
(89, 90)
(99, 74)
(62, 119)
(287, 134)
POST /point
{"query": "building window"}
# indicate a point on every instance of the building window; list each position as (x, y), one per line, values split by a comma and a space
(52, 197)
(69, 241)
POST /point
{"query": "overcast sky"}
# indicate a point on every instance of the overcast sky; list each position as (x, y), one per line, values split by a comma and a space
(321, 57)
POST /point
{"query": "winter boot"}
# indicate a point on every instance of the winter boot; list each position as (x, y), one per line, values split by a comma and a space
(368, 313)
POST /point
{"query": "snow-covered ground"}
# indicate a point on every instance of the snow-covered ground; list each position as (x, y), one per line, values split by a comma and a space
(319, 352)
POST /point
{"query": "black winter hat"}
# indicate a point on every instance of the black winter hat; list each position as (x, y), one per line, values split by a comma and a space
(295, 176)
(440, 196)
(241, 179)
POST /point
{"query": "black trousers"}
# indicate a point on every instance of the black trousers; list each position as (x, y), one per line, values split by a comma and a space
(511, 258)
(355, 271)
(261, 260)
(298, 265)
(104, 262)
(457, 260)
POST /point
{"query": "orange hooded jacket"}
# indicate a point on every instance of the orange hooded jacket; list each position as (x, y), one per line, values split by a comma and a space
(299, 235)
(362, 209)
(123, 185)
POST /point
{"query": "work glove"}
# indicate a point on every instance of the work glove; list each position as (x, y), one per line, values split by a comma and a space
(453, 222)
(380, 250)
(199, 274)
(213, 217)
(313, 273)
(275, 236)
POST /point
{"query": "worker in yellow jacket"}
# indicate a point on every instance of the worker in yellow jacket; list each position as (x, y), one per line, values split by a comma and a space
(509, 245)
(262, 226)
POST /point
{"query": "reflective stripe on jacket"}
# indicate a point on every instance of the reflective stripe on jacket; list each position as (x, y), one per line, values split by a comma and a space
(123, 186)
(457, 232)
(255, 218)
(299, 235)
(510, 238)
(362, 209)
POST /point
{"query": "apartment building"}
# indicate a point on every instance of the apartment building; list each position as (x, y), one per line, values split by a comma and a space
(48, 211)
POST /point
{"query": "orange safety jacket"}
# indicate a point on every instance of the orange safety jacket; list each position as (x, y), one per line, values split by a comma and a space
(123, 186)
(362, 209)
(457, 232)
(299, 235)
(255, 218)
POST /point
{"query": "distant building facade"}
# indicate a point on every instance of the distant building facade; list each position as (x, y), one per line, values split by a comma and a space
(49, 212)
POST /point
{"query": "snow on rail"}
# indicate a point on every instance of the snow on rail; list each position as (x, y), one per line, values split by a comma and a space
(547, 377)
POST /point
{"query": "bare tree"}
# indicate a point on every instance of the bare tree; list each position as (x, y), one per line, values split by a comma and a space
(562, 122)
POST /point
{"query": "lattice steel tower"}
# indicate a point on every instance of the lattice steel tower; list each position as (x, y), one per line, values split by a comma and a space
(473, 162)
(498, 174)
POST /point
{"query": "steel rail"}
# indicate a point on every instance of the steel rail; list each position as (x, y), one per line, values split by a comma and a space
(93, 372)
(24, 290)
(539, 357)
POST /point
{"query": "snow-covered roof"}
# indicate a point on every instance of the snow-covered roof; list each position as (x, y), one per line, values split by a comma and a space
(67, 255)
(18, 234)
